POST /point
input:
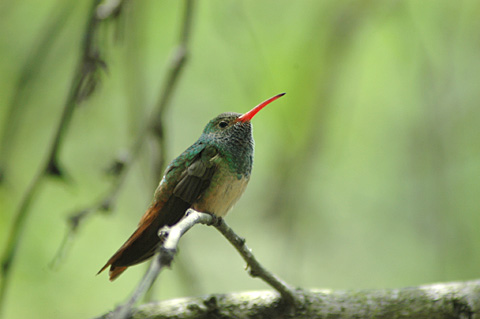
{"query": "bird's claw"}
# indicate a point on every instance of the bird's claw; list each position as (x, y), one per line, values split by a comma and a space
(216, 220)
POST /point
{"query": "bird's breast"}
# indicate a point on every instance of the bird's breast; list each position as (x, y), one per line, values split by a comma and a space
(223, 192)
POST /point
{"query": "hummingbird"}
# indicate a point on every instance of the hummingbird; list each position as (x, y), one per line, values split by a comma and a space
(209, 176)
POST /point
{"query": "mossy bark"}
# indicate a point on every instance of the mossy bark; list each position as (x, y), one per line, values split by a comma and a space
(443, 300)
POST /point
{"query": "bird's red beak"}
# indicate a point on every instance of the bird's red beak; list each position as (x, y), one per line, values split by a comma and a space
(250, 114)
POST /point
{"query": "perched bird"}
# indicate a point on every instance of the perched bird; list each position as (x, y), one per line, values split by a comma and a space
(210, 176)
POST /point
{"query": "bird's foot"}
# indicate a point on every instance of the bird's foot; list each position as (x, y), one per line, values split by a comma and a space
(216, 220)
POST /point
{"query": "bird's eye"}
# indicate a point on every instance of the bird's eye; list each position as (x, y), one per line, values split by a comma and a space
(223, 124)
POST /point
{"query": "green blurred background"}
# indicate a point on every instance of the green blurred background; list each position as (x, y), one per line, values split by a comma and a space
(366, 173)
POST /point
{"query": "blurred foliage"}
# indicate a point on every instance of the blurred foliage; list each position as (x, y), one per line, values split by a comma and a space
(366, 173)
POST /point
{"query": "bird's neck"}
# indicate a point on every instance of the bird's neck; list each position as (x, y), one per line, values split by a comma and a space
(238, 153)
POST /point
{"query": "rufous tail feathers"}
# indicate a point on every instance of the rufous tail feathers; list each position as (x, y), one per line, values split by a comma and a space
(114, 271)
(146, 222)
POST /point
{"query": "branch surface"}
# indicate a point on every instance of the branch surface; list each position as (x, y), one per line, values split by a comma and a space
(436, 301)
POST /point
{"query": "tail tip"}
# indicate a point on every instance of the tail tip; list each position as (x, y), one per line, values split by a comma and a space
(115, 272)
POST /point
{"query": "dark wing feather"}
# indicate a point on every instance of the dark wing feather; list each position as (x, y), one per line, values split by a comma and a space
(192, 183)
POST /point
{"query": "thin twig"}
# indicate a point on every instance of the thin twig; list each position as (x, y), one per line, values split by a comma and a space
(15, 233)
(74, 222)
(256, 269)
(154, 125)
(76, 219)
(84, 83)
(177, 64)
(27, 74)
(109, 8)
(86, 78)
(163, 257)
(50, 166)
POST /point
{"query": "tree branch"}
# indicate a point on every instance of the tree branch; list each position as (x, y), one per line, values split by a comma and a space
(437, 301)
(154, 125)
(50, 166)
(28, 73)
(444, 300)
(170, 236)
(163, 257)
(256, 269)
(177, 65)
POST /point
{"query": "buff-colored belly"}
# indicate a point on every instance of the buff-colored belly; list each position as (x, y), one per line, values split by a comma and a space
(222, 194)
